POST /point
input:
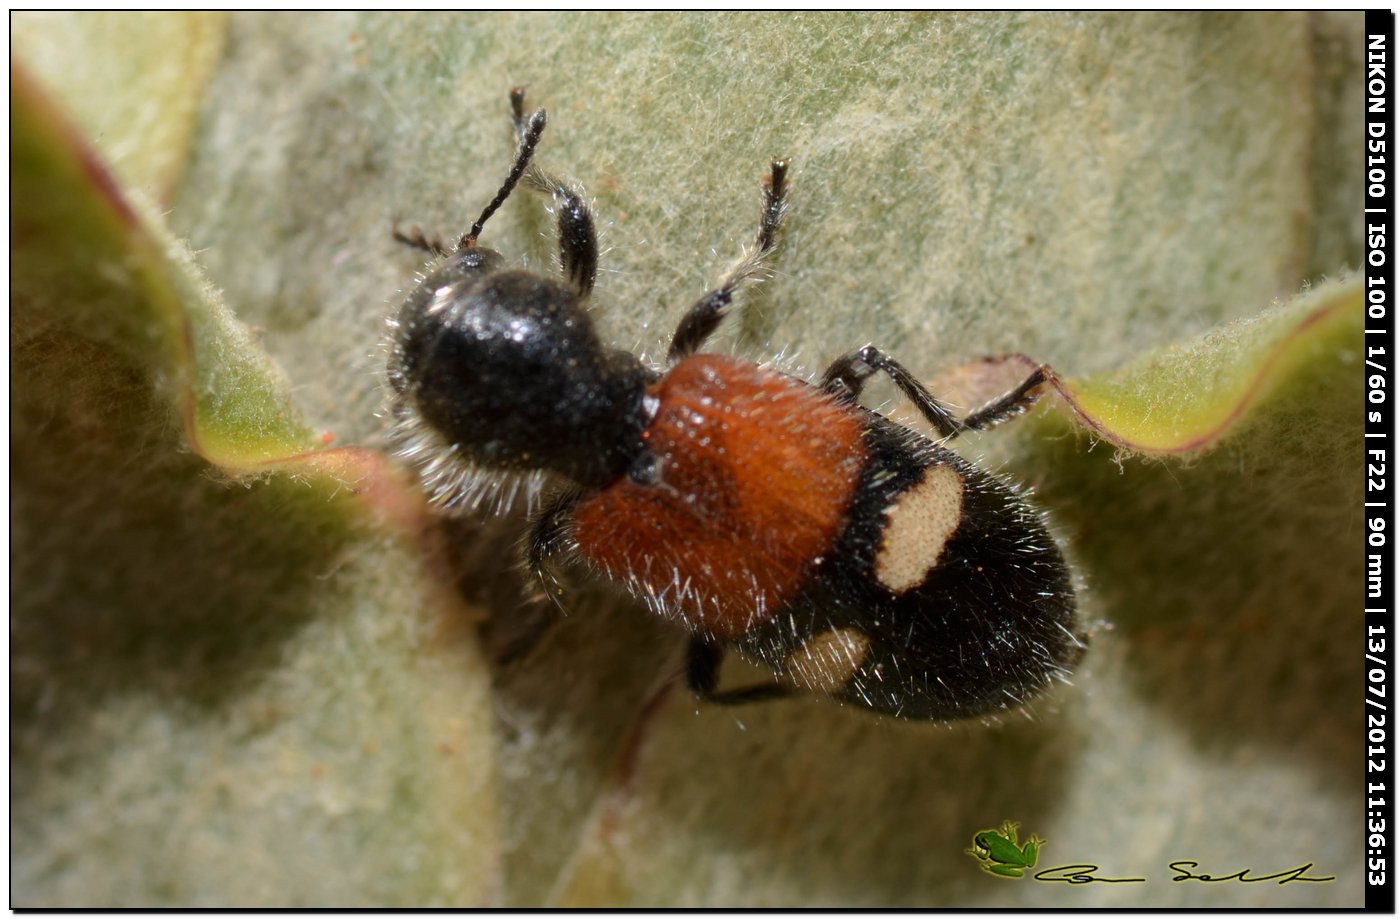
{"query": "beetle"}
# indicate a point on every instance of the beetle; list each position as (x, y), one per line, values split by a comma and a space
(848, 555)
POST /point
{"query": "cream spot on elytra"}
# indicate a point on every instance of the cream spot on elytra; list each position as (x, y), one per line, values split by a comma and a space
(826, 662)
(918, 526)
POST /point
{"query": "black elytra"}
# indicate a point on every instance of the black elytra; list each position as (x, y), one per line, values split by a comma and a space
(988, 628)
(900, 578)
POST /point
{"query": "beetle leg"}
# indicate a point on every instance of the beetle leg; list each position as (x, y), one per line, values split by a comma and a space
(847, 376)
(550, 535)
(1010, 405)
(701, 320)
(702, 675)
(578, 241)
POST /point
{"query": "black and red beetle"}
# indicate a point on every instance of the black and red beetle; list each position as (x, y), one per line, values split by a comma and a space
(847, 554)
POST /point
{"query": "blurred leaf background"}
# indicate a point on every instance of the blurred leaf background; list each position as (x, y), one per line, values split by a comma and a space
(246, 670)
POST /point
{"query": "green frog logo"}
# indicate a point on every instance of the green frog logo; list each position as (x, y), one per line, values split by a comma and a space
(1002, 855)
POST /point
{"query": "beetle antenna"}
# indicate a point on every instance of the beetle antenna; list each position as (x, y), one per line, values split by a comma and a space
(529, 139)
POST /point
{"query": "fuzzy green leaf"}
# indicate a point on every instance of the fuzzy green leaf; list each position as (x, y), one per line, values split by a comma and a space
(217, 687)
